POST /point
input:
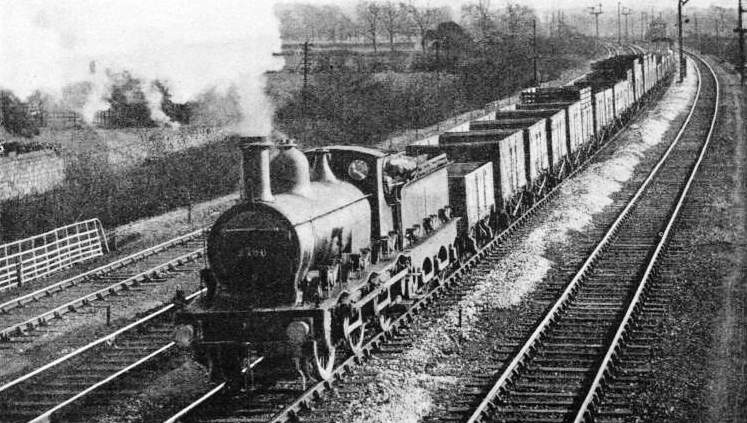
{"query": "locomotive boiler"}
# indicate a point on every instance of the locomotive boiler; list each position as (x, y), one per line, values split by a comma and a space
(293, 222)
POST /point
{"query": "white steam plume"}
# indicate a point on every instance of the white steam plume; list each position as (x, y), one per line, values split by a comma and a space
(96, 97)
(189, 45)
(154, 98)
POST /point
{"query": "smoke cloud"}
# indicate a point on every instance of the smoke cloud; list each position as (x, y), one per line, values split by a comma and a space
(189, 45)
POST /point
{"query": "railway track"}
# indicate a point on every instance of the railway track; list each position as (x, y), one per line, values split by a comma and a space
(29, 315)
(282, 397)
(571, 361)
(70, 387)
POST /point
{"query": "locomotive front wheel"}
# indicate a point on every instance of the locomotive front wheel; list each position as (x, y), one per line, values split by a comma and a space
(324, 362)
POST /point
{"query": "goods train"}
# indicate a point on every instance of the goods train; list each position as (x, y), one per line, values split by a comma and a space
(328, 242)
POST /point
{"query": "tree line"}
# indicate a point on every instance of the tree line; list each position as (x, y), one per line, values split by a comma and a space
(485, 56)
(370, 21)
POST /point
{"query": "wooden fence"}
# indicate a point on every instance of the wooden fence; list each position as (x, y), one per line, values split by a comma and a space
(41, 255)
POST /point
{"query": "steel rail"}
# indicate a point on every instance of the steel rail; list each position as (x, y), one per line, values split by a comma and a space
(525, 350)
(594, 394)
(211, 393)
(100, 294)
(107, 268)
(47, 415)
(105, 339)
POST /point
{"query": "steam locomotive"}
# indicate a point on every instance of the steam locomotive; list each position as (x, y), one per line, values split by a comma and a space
(329, 242)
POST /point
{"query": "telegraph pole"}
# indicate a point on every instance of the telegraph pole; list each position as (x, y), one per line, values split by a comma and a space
(643, 21)
(306, 66)
(741, 31)
(719, 23)
(626, 11)
(683, 68)
(596, 11)
(697, 33)
(619, 32)
(534, 50)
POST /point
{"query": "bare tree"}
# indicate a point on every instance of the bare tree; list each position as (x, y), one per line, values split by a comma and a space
(304, 21)
(518, 19)
(393, 20)
(424, 18)
(478, 18)
(369, 17)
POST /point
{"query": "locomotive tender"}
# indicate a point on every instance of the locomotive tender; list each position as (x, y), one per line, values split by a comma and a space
(330, 241)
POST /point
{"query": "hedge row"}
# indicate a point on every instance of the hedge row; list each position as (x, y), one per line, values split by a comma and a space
(93, 189)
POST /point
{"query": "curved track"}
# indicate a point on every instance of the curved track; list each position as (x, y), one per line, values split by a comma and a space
(560, 372)
(264, 399)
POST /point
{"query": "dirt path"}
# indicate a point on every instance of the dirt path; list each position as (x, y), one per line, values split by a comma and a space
(728, 390)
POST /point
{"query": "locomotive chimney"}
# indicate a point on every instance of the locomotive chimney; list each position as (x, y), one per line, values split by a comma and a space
(255, 169)
(321, 170)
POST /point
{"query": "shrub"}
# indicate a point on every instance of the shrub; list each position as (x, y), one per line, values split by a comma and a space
(15, 117)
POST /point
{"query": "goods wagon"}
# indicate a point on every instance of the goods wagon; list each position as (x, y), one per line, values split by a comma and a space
(471, 194)
(639, 86)
(534, 132)
(557, 135)
(573, 123)
(504, 149)
(622, 99)
(604, 110)
(571, 93)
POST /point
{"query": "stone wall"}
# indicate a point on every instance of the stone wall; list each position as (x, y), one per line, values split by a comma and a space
(30, 173)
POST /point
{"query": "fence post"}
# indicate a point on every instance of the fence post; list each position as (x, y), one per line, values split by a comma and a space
(19, 272)
(113, 245)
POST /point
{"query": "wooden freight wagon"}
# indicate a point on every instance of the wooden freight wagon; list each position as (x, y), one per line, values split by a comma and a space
(567, 93)
(639, 87)
(535, 142)
(609, 103)
(471, 195)
(573, 123)
(505, 149)
(600, 119)
(557, 134)
(622, 103)
(605, 111)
